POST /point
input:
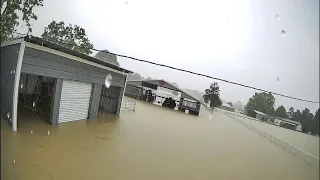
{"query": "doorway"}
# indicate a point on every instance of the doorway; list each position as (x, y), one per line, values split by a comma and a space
(35, 99)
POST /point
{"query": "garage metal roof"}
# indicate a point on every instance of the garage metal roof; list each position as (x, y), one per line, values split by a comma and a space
(41, 42)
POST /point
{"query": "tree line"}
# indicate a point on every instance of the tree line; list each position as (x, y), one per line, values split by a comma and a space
(66, 35)
(265, 102)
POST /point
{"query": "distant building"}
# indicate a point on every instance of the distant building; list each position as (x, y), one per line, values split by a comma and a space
(227, 107)
(257, 114)
(288, 124)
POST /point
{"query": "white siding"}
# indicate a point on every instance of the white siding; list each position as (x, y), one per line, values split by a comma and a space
(75, 100)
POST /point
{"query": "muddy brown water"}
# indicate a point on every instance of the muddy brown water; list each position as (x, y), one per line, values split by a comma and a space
(151, 143)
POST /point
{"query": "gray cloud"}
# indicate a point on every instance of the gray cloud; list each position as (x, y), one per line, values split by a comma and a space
(238, 41)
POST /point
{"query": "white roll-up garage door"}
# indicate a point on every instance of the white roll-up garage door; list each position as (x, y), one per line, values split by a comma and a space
(75, 100)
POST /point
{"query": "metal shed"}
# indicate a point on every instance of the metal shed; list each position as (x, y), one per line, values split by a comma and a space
(187, 102)
(74, 81)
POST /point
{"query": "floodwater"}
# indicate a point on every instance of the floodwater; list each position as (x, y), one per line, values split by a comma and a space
(305, 142)
(152, 143)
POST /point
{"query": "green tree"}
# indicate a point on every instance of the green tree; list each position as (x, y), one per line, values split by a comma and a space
(9, 16)
(263, 102)
(290, 113)
(212, 95)
(70, 36)
(281, 112)
(315, 127)
(107, 57)
(297, 116)
(306, 120)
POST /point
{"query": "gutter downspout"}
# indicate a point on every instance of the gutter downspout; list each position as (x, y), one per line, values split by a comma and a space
(16, 87)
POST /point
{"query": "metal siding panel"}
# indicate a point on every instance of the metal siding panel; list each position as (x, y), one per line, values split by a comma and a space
(74, 101)
(22, 84)
(56, 101)
(94, 103)
(109, 99)
(9, 58)
(44, 63)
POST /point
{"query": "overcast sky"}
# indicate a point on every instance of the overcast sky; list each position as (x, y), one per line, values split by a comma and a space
(237, 40)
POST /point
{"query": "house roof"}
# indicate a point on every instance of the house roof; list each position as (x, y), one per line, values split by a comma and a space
(258, 112)
(162, 83)
(41, 42)
(226, 105)
(288, 121)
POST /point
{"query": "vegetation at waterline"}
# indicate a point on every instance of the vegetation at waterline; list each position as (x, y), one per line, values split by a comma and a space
(265, 102)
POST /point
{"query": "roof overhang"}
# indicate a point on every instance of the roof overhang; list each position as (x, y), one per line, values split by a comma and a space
(39, 44)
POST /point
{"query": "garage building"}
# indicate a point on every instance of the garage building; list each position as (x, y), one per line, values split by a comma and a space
(56, 83)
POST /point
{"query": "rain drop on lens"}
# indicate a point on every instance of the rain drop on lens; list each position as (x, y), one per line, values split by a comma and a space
(108, 80)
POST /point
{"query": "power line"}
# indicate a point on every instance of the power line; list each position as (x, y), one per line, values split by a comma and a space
(199, 74)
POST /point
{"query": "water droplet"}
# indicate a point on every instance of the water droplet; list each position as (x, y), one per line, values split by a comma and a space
(283, 33)
(277, 17)
(21, 86)
(14, 161)
(34, 104)
(31, 132)
(108, 80)
(48, 133)
(8, 114)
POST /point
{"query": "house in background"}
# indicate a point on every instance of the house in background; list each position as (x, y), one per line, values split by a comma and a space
(186, 103)
(257, 114)
(55, 83)
(288, 124)
(227, 107)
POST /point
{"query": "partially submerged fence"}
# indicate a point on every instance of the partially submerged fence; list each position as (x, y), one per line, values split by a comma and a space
(128, 105)
(310, 159)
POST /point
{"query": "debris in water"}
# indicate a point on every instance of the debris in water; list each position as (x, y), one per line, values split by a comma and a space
(14, 161)
(34, 104)
(48, 133)
(283, 33)
(31, 132)
(8, 114)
